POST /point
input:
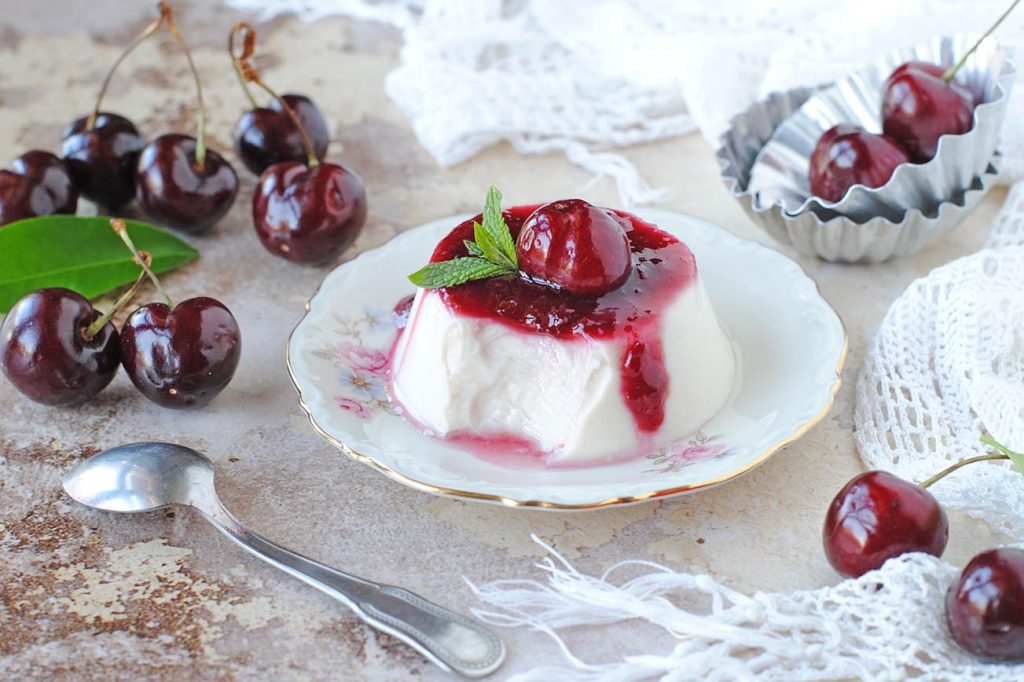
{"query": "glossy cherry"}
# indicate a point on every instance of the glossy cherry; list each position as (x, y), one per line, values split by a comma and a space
(985, 606)
(575, 247)
(182, 357)
(101, 159)
(877, 516)
(38, 184)
(919, 107)
(267, 135)
(933, 70)
(47, 352)
(847, 155)
(174, 190)
(308, 215)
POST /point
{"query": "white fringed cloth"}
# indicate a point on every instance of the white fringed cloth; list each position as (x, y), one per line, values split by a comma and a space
(886, 625)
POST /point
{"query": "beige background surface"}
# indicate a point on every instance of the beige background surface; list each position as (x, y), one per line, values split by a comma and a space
(87, 595)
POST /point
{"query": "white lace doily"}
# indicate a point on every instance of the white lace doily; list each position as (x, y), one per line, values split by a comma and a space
(582, 76)
(946, 366)
(888, 624)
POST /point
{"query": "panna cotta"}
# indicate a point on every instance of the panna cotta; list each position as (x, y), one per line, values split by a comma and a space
(603, 345)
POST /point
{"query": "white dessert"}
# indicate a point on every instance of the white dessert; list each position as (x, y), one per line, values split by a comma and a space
(455, 374)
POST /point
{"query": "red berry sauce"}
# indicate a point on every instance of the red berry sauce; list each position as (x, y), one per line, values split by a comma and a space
(662, 267)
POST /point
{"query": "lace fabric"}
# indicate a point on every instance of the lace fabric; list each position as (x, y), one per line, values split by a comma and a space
(888, 624)
(585, 76)
(947, 366)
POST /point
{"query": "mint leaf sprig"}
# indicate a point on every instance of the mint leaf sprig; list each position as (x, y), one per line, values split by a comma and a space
(492, 253)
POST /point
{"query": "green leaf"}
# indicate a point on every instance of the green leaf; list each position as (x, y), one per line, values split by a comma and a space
(80, 253)
(1015, 457)
(451, 273)
(491, 254)
(487, 247)
(497, 228)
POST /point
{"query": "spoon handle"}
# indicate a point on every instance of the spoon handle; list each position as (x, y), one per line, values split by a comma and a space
(452, 641)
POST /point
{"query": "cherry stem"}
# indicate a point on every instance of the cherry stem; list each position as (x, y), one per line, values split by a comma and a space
(964, 462)
(250, 75)
(201, 132)
(152, 28)
(121, 229)
(951, 72)
(90, 332)
(247, 50)
(1003, 453)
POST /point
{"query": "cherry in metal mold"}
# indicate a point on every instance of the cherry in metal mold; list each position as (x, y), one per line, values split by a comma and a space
(179, 182)
(57, 349)
(37, 185)
(922, 102)
(181, 355)
(918, 108)
(306, 212)
(847, 155)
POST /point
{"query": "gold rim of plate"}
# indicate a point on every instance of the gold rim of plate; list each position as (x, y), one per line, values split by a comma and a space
(546, 504)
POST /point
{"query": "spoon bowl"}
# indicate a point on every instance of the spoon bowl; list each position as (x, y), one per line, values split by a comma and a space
(142, 477)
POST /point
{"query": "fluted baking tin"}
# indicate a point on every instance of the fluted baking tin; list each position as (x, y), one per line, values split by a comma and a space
(834, 237)
(779, 171)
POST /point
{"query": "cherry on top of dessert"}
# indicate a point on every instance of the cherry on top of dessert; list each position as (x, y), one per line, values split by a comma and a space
(575, 246)
(661, 266)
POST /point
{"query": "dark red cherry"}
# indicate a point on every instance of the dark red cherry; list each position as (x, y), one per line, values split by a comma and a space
(985, 606)
(45, 352)
(51, 172)
(938, 72)
(182, 357)
(39, 184)
(574, 246)
(267, 135)
(877, 516)
(308, 215)
(101, 161)
(174, 191)
(847, 155)
(918, 108)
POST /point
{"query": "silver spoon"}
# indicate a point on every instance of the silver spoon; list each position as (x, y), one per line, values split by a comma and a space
(147, 476)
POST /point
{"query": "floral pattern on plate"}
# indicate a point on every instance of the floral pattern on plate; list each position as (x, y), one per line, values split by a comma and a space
(675, 457)
(362, 367)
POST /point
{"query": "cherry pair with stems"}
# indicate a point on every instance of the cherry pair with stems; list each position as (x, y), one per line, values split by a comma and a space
(57, 349)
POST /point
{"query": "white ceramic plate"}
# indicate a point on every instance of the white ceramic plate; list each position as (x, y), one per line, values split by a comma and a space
(792, 342)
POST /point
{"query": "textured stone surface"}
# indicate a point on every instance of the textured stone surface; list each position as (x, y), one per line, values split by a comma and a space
(86, 595)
